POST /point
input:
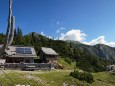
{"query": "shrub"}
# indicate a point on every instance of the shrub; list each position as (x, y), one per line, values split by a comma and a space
(113, 73)
(68, 60)
(83, 76)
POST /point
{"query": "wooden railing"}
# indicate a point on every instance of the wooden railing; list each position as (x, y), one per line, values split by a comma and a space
(28, 66)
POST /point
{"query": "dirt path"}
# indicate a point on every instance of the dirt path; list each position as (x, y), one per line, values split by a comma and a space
(31, 72)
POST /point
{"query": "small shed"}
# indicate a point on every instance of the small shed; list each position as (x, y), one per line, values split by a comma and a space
(48, 55)
(17, 54)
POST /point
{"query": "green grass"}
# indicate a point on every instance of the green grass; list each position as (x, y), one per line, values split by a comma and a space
(66, 64)
(17, 78)
(52, 78)
(104, 79)
(56, 78)
(44, 78)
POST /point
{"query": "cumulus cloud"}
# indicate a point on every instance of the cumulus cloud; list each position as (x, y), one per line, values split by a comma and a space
(58, 30)
(100, 40)
(112, 44)
(73, 34)
(77, 35)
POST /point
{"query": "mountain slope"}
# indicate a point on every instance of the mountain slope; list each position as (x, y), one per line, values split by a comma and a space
(88, 58)
(99, 50)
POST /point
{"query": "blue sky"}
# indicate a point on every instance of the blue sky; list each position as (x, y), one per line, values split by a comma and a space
(88, 21)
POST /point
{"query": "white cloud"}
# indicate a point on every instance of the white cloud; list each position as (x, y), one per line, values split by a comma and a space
(112, 44)
(59, 30)
(49, 37)
(75, 35)
(100, 40)
(78, 35)
(42, 33)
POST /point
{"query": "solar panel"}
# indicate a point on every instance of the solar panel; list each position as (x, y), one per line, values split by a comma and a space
(27, 48)
(28, 51)
(20, 50)
(23, 50)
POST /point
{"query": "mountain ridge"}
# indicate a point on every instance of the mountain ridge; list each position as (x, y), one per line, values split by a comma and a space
(101, 50)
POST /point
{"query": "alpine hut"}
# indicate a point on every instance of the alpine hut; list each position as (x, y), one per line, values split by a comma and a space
(48, 55)
(17, 54)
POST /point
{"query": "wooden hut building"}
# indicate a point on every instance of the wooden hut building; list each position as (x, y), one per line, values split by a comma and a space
(48, 55)
(17, 54)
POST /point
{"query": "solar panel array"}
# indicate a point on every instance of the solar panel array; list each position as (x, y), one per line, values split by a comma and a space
(23, 51)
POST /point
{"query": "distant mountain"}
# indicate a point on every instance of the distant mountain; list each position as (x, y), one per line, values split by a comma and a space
(99, 50)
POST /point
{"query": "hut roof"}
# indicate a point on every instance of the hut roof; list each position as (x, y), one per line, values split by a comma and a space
(16, 51)
(48, 51)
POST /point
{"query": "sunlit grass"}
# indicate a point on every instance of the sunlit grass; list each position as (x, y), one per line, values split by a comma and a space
(104, 79)
(52, 78)
(65, 64)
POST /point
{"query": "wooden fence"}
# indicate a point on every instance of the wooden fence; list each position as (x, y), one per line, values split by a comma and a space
(28, 66)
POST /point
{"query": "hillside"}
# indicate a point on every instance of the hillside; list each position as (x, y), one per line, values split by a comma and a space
(89, 58)
(52, 78)
(99, 50)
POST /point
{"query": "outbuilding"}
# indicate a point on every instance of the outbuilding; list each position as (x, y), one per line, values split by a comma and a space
(48, 55)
